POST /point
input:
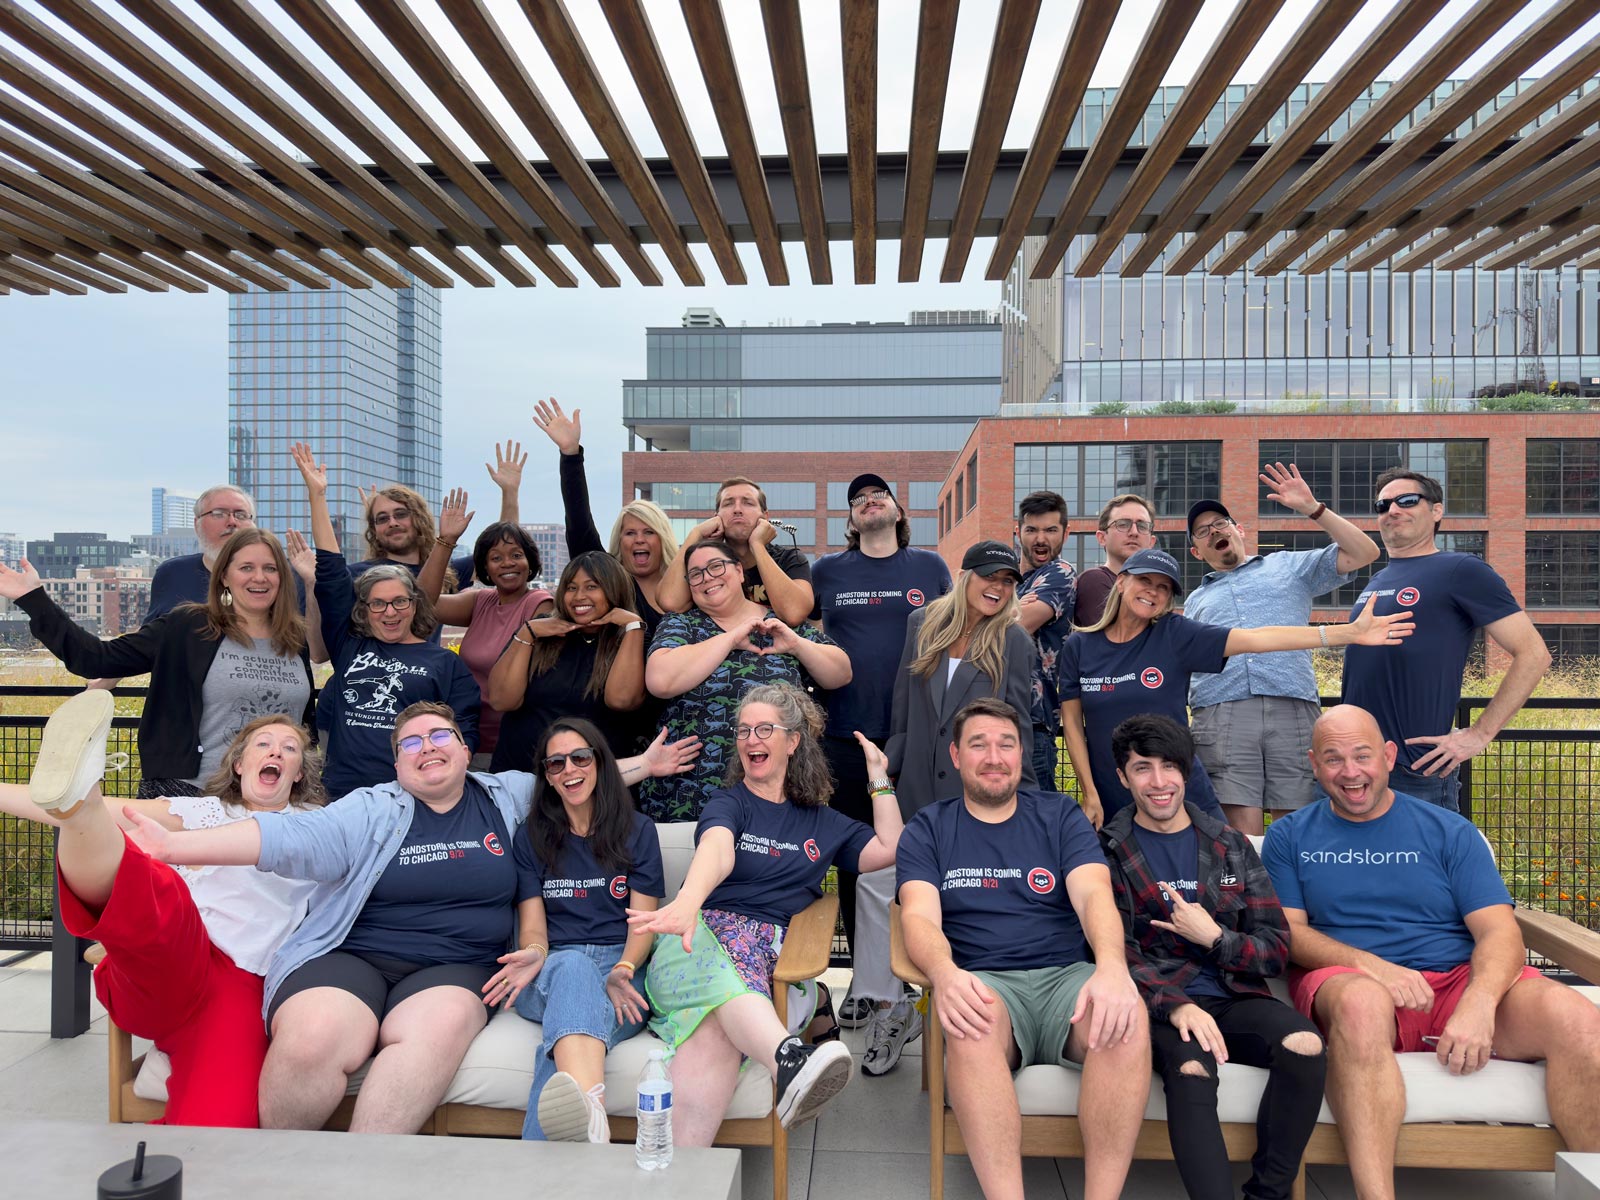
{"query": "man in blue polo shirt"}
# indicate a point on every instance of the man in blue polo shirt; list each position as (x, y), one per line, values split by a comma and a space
(1046, 599)
(1003, 894)
(1252, 720)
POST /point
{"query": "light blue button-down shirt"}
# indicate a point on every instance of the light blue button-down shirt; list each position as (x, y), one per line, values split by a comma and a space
(1273, 589)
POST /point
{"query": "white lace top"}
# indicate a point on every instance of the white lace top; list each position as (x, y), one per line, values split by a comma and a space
(248, 913)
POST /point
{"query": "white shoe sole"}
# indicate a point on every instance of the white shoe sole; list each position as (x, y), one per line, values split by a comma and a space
(564, 1110)
(911, 1033)
(823, 1077)
(72, 752)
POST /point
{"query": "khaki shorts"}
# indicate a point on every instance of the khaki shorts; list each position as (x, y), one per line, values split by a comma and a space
(1256, 751)
(1039, 1004)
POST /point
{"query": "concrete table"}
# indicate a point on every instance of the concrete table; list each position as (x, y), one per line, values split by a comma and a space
(65, 1158)
(1577, 1176)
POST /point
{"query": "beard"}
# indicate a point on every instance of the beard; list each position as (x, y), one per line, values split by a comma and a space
(985, 796)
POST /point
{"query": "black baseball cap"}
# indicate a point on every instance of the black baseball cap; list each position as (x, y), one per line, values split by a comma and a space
(867, 480)
(1200, 507)
(1155, 562)
(990, 558)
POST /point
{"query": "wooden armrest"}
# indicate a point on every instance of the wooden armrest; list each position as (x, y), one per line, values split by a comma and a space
(94, 953)
(808, 944)
(1564, 942)
(899, 961)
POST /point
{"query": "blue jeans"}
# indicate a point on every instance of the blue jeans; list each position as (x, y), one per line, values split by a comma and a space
(1044, 759)
(569, 997)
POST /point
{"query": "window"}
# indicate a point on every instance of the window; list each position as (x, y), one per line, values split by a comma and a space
(838, 532)
(1564, 477)
(1344, 474)
(924, 531)
(782, 496)
(961, 506)
(921, 494)
(1172, 475)
(1563, 570)
(1570, 642)
(838, 496)
(972, 481)
(1346, 595)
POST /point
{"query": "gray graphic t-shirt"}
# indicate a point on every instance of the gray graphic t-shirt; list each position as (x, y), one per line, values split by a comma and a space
(243, 684)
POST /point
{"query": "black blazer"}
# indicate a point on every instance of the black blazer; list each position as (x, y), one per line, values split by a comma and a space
(175, 650)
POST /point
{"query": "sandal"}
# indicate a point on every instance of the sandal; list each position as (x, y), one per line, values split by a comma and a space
(824, 1026)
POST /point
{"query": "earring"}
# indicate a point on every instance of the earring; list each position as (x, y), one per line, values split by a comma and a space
(227, 598)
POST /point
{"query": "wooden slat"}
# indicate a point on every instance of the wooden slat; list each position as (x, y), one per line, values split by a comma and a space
(66, 265)
(1403, 23)
(1091, 25)
(36, 240)
(1567, 251)
(1327, 21)
(267, 43)
(709, 33)
(36, 273)
(936, 36)
(1008, 54)
(422, 53)
(637, 41)
(1524, 237)
(335, 38)
(18, 282)
(858, 41)
(1589, 262)
(786, 48)
(1573, 947)
(1505, 68)
(488, 41)
(1162, 38)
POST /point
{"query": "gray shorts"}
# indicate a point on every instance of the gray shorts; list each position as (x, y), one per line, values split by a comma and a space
(1039, 1004)
(1257, 750)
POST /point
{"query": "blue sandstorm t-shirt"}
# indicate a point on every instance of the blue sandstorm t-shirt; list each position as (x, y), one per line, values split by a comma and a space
(585, 901)
(1397, 886)
(1174, 861)
(1411, 688)
(449, 893)
(1149, 674)
(781, 852)
(1003, 886)
(864, 604)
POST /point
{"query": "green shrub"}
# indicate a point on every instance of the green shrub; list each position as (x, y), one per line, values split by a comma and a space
(1109, 408)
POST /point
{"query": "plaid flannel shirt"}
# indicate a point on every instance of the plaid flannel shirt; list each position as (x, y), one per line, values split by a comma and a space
(1235, 890)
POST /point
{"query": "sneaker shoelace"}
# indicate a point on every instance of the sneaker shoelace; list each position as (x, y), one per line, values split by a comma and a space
(119, 761)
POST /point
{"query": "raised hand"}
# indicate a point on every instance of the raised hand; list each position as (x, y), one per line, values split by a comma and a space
(314, 473)
(302, 558)
(877, 760)
(1289, 488)
(709, 530)
(507, 470)
(14, 584)
(1369, 630)
(453, 515)
(566, 432)
(664, 758)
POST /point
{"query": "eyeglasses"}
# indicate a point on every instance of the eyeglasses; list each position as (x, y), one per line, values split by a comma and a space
(1127, 525)
(762, 731)
(222, 514)
(400, 605)
(1405, 500)
(581, 757)
(715, 570)
(441, 736)
(862, 499)
(1206, 532)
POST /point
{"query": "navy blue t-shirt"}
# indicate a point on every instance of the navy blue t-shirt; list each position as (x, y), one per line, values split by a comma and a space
(449, 894)
(585, 902)
(1412, 687)
(1003, 887)
(1150, 674)
(781, 852)
(864, 604)
(1174, 858)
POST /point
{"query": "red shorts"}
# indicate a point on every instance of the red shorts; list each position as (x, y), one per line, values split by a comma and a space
(1410, 1025)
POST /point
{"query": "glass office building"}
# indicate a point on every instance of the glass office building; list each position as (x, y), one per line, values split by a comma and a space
(353, 372)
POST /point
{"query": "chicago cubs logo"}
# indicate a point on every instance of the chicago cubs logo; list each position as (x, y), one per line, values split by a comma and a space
(619, 888)
(1041, 880)
(492, 844)
(1407, 596)
(915, 598)
(1151, 677)
(812, 851)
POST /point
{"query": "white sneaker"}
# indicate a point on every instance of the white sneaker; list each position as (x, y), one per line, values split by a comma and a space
(567, 1113)
(888, 1031)
(72, 752)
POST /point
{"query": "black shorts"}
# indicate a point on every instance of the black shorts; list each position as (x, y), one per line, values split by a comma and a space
(379, 983)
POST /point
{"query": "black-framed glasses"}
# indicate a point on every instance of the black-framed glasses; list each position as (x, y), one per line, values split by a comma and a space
(441, 736)
(862, 499)
(583, 756)
(400, 604)
(1206, 532)
(1404, 500)
(222, 514)
(712, 570)
(1128, 525)
(762, 731)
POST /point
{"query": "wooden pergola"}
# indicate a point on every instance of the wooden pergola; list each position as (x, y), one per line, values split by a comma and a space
(94, 193)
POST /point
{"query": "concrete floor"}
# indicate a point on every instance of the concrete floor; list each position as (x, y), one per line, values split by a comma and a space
(871, 1143)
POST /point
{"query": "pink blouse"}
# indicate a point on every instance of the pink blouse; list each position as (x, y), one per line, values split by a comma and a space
(491, 627)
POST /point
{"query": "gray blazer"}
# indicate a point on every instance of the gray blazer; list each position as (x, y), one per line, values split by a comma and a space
(924, 712)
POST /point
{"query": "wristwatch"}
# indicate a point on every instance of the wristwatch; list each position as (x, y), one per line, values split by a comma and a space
(879, 785)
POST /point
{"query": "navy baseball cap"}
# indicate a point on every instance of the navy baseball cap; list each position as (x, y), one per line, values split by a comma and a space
(867, 480)
(1154, 562)
(1201, 507)
(990, 558)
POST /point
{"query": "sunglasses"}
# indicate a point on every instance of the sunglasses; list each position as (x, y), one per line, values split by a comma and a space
(434, 737)
(1406, 500)
(556, 763)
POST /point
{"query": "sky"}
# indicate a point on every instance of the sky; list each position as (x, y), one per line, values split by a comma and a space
(106, 396)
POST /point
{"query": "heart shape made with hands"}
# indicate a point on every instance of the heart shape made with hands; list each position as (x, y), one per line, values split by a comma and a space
(758, 638)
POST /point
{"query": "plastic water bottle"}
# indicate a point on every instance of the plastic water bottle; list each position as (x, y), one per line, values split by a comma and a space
(652, 1144)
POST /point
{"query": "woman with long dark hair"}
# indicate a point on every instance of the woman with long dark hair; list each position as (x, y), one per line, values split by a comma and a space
(575, 974)
(585, 659)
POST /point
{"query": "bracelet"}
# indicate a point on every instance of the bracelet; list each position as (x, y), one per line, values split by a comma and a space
(1316, 513)
(1322, 632)
(519, 641)
(880, 785)
(876, 792)
(540, 946)
(445, 542)
(632, 625)
(622, 962)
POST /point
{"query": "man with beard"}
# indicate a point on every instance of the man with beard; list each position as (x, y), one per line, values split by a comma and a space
(1003, 893)
(186, 579)
(1046, 600)
(865, 595)
(1126, 526)
(777, 576)
(1252, 720)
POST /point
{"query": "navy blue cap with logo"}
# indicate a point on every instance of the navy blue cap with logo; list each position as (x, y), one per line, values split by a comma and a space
(1155, 562)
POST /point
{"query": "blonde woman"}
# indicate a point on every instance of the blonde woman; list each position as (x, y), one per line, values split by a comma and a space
(964, 645)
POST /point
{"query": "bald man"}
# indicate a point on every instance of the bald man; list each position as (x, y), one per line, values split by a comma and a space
(1402, 939)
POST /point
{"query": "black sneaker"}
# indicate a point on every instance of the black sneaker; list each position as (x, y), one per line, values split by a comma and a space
(853, 1012)
(809, 1077)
